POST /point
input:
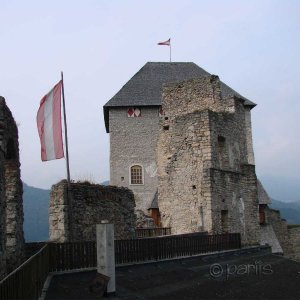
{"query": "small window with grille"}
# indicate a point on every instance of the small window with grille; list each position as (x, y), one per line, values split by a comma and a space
(136, 175)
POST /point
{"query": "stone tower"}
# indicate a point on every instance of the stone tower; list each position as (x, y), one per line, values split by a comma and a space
(205, 160)
(132, 119)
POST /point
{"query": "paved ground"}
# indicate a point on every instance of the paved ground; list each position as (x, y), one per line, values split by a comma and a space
(236, 276)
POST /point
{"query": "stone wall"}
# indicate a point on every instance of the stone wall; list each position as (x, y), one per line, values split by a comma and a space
(91, 204)
(235, 193)
(287, 235)
(14, 215)
(2, 219)
(205, 181)
(294, 242)
(11, 191)
(133, 141)
(279, 226)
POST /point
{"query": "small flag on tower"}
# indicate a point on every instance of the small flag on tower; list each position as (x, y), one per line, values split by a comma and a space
(49, 124)
(166, 43)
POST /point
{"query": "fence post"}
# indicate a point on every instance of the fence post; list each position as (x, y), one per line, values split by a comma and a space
(106, 253)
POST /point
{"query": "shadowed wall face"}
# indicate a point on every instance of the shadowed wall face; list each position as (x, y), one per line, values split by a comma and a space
(11, 191)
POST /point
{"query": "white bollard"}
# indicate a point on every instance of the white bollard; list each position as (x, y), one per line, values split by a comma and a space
(106, 253)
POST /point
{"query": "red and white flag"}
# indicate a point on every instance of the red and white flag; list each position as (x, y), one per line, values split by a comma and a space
(49, 124)
(166, 43)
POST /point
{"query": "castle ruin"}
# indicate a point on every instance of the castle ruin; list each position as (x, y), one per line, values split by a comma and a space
(76, 209)
(11, 190)
(205, 160)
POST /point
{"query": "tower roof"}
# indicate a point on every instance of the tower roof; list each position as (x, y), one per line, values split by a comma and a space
(144, 88)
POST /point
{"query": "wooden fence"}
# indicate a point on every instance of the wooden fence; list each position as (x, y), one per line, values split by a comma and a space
(26, 282)
(151, 232)
(70, 256)
(78, 255)
(149, 249)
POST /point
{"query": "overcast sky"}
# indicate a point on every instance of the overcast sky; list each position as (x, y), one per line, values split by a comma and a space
(253, 46)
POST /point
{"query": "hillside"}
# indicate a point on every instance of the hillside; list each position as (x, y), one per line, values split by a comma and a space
(288, 210)
(35, 202)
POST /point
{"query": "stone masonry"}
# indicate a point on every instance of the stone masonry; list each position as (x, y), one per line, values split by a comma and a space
(294, 242)
(287, 235)
(90, 204)
(2, 218)
(11, 204)
(138, 148)
(205, 161)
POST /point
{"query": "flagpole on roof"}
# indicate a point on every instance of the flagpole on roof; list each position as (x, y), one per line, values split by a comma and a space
(167, 43)
(66, 130)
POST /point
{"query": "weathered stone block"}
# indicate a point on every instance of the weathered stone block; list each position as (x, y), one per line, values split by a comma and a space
(90, 203)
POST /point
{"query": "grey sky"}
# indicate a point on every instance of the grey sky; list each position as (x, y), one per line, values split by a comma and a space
(253, 46)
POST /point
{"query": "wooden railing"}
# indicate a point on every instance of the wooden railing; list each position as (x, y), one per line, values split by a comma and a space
(149, 249)
(79, 255)
(151, 232)
(26, 282)
(70, 256)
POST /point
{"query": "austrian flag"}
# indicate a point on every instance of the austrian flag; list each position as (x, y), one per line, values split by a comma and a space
(49, 124)
(166, 43)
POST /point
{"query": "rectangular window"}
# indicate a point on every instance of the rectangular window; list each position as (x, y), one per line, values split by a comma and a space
(136, 174)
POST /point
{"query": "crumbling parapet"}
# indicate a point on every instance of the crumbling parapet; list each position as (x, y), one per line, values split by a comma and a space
(91, 203)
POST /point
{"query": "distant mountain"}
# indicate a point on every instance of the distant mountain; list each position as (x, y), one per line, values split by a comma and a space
(288, 210)
(35, 204)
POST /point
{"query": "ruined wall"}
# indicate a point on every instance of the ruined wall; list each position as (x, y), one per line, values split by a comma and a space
(287, 235)
(202, 157)
(91, 204)
(14, 215)
(11, 189)
(2, 219)
(181, 156)
(235, 193)
(294, 242)
(133, 141)
(279, 226)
